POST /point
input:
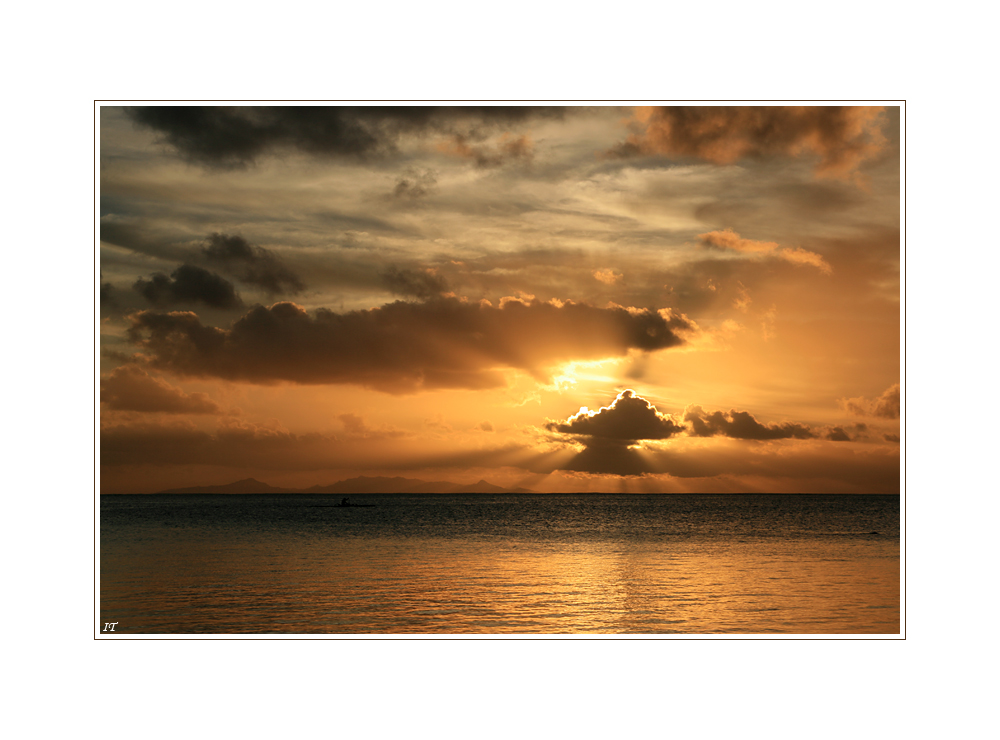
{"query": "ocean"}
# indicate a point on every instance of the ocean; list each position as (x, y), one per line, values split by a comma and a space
(508, 564)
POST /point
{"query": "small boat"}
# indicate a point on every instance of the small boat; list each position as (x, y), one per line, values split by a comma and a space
(344, 504)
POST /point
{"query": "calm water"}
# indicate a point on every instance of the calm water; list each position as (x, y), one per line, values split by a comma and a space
(552, 563)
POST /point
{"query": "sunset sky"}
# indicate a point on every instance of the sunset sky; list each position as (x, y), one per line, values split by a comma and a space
(610, 298)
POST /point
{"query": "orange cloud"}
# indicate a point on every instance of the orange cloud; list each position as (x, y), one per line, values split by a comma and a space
(607, 276)
(355, 426)
(130, 388)
(885, 406)
(800, 256)
(743, 299)
(841, 136)
(729, 239)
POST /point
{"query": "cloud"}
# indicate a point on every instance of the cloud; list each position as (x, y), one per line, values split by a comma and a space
(251, 264)
(220, 136)
(353, 423)
(743, 300)
(609, 436)
(783, 466)
(130, 388)
(233, 445)
(607, 276)
(790, 466)
(603, 456)
(729, 239)
(418, 283)
(507, 149)
(627, 419)
(740, 425)
(402, 347)
(885, 406)
(843, 137)
(136, 239)
(800, 256)
(724, 465)
(767, 325)
(356, 427)
(188, 284)
(608, 433)
(245, 445)
(415, 185)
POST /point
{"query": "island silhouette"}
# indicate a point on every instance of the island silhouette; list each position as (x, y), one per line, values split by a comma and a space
(362, 484)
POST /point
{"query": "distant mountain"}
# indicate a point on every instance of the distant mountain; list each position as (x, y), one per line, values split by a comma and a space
(363, 484)
(380, 484)
(484, 487)
(247, 485)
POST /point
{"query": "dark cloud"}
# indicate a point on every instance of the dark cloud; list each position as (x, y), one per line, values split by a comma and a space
(417, 283)
(628, 418)
(233, 445)
(740, 425)
(253, 265)
(246, 445)
(885, 406)
(608, 433)
(401, 347)
(189, 284)
(356, 427)
(842, 136)
(841, 434)
(136, 239)
(130, 388)
(608, 457)
(233, 136)
(106, 292)
(415, 184)
(788, 466)
(837, 434)
(834, 468)
(792, 468)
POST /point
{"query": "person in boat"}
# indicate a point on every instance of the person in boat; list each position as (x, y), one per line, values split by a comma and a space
(345, 502)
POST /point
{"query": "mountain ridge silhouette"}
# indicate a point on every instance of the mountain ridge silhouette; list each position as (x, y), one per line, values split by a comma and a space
(361, 484)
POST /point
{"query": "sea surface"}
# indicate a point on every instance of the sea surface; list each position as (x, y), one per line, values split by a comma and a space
(500, 564)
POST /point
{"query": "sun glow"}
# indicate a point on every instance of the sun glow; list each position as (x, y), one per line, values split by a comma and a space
(427, 306)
